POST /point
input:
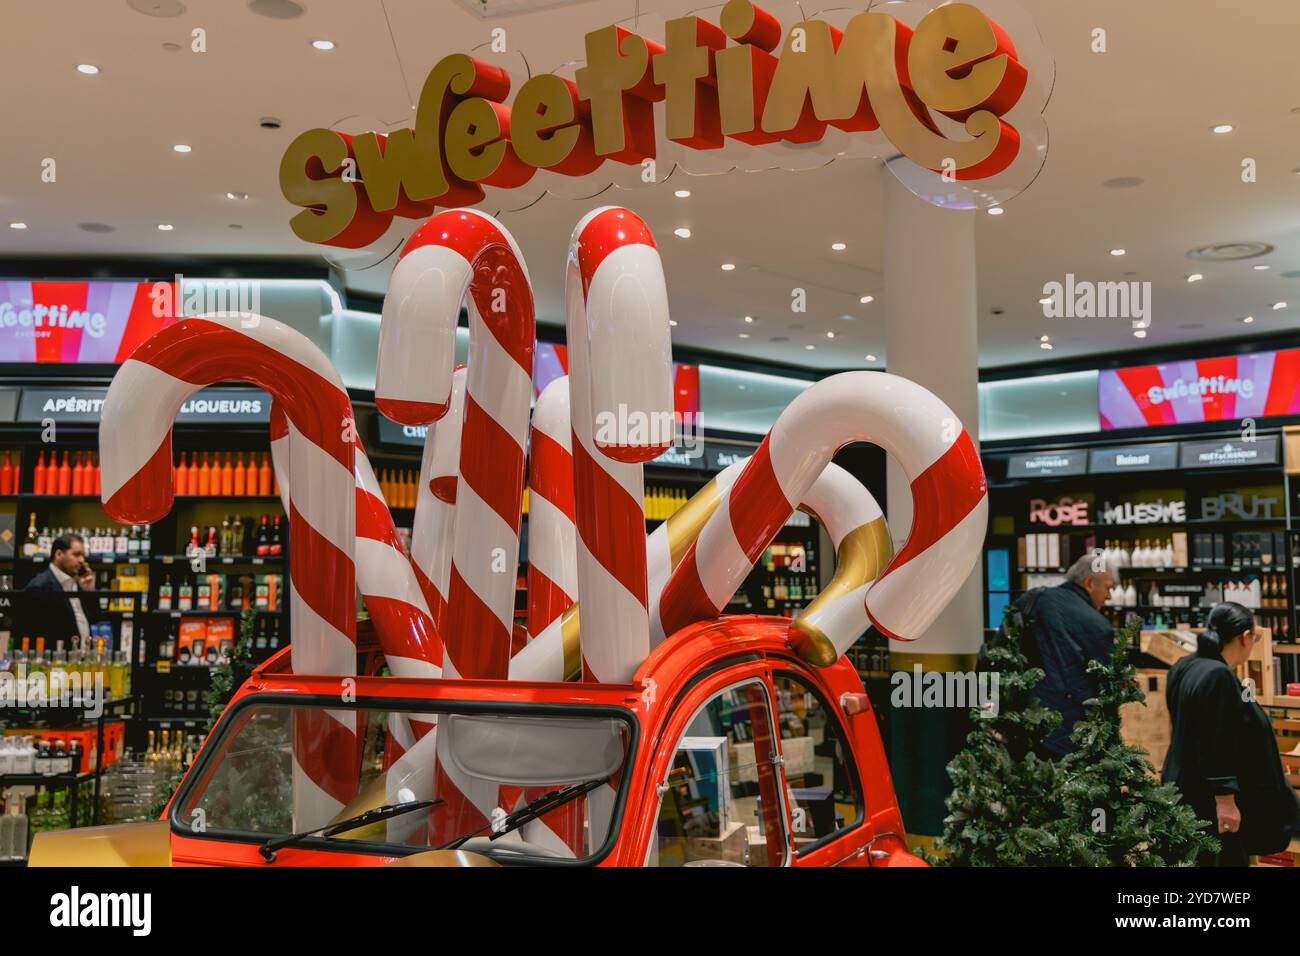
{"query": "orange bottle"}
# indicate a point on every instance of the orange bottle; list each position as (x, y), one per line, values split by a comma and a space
(7, 477)
(264, 475)
(78, 476)
(38, 479)
(250, 475)
(227, 478)
(182, 475)
(237, 480)
(99, 486)
(410, 489)
(65, 476)
(205, 478)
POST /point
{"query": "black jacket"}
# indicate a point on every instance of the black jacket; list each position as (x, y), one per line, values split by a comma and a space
(1223, 743)
(52, 618)
(1068, 632)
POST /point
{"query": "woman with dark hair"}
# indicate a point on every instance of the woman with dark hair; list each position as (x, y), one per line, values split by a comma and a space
(1223, 756)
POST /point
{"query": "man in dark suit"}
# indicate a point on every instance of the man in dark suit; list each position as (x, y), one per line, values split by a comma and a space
(1068, 631)
(67, 618)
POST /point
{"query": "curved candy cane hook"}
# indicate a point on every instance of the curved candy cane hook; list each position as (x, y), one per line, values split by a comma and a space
(621, 401)
(455, 252)
(138, 487)
(949, 496)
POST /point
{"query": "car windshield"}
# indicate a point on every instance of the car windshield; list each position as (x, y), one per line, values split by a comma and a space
(280, 768)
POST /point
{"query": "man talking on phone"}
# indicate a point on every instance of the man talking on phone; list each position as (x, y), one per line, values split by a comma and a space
(68, 573)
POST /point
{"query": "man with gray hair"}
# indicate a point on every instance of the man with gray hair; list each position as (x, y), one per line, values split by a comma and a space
(1064, 630)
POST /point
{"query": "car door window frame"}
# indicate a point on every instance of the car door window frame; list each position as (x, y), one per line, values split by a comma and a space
(850, 760)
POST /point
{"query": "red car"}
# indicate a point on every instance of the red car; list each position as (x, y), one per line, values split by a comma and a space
(725, 750)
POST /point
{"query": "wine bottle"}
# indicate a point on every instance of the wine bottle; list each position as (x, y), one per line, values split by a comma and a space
(277, 545)
(263, 538)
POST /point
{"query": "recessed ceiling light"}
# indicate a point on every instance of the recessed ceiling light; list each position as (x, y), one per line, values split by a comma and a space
(1247, 319)
(810, 347)
(728, 266)
(996, 211)
(749, 318)
(1221, 128)
(682, 193)
(1046, 346)
(1261, 267)
(830, 335)
(1043, 338)
(182, 148)
(238, 197)
(322, 44)
(1046, 300)
(673, 323)
(17, 225)
(165, 227)
(682, 233)
(1118, 252)
(269, 122)
(867, 299)
(871, 358)
(87, 68)
(1278, 306)
(743, 335)
(1139, 333)
(1195, 277)
(838, 246)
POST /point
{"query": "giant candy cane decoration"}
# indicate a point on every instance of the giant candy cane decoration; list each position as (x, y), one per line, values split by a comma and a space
(457, 251)
(138, 487)
(384, 575)
(621, 402)
(552, 562)
(949, 498)
(833, 620)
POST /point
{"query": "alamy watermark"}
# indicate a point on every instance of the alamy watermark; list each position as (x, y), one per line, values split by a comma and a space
(960, 689)
(681, 432)
(22, 688)
(184, 297)
(1085, 299)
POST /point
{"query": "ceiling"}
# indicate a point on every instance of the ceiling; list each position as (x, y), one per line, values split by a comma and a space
(1142, 109)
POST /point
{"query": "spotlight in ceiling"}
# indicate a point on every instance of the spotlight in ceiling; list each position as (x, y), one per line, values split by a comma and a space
(1118, 252)
(87, 68)
(1247, 319)
(1221, 128)
(867, 299)
(870, 358)
(1195, 277)
(830, 335)
(996, 211)
(269, 122)
(1261, 267)
(682, 193)
(182, 148)
(1279, 306)
(838, 246)
(728, 266)
(1139, 333)
(749, 319)
(809, 347)
(682, 233)
(1044, 338)
(322, 44)
(673, 323)
(238, 197)
(165, 227)
(1045, 346)
(17, 225)
(742, 335)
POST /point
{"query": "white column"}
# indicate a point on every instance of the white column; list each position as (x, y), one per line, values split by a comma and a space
(930, 338)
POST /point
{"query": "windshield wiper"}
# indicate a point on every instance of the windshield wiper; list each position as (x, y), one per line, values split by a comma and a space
(387, 812)
(529, 811)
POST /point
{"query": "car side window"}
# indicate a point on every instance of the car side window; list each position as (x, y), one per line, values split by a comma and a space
(825, 794)
(720, 804)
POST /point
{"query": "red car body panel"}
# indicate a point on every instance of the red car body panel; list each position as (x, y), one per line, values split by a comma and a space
(669, 687)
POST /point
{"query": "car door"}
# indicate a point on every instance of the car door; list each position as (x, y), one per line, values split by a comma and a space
(718, 797)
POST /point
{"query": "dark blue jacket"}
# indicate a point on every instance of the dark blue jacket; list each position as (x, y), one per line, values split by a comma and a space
(1069, 632)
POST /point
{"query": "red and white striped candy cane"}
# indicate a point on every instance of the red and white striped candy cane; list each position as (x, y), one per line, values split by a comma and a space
(552, 561)
(949, 495)
(434, 525)
(621, 401)
(454, 252)
(138, 487)
(385, 578)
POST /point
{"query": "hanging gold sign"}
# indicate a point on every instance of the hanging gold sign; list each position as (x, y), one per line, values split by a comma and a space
(744, 79)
